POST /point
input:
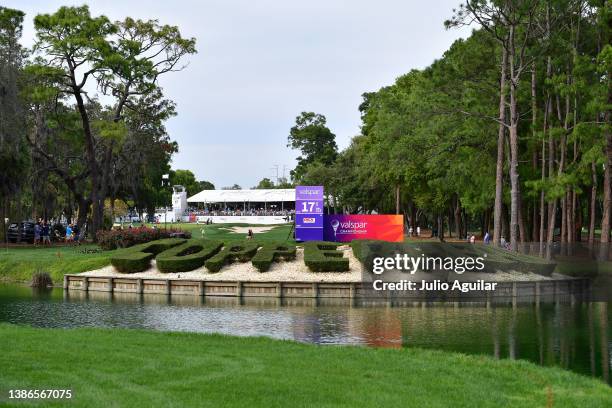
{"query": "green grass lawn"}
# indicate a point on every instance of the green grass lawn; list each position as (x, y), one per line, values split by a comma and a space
(18, 264)
(223, 232)
(137, 368)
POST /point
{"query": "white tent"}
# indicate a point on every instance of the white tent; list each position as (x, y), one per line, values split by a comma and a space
(241, 196)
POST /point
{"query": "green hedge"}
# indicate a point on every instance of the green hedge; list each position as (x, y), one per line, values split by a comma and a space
(138, 258)
(321, 256)
(270, 253)
(241, 251)
(188, 256)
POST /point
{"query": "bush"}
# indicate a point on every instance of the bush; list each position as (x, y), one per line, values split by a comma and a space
(125, 238)
(138, 258)
(239, 251)
(270, 253)
(364, 248)
(320, 256)
(41, 280)
(188, 256)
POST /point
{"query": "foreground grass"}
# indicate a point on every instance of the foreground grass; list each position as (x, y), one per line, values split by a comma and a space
(18, 264)
(105, 367)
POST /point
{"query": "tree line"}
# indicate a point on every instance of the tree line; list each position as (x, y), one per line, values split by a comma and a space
(82, 114)
(508, 131)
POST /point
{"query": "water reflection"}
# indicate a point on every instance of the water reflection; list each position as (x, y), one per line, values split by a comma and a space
(572, 335)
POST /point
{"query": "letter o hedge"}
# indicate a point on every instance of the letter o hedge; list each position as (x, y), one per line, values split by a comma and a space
(188, 256)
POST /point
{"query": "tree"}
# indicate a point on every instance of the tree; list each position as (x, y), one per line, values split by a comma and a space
(206, 185)
(14, 157)
(265, 183)
(513, 24)
(187, 179)
(315, 141)
(124, 61)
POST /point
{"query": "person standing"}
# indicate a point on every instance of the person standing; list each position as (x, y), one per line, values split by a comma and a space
(45, 231)
(68, 233)
(37, 231)
(75, 233)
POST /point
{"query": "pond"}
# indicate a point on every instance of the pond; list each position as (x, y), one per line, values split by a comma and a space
(573, 335)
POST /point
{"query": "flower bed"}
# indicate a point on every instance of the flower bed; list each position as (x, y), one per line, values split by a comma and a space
(125, 238)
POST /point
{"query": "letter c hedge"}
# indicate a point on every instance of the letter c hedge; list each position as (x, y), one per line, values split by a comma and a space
(138, 258)
(188, 256)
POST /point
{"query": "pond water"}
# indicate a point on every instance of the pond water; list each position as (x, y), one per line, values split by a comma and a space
(573, 335)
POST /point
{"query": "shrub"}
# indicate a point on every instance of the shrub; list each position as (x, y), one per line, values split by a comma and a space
(364, 248)
(41, 280)
(125, 238)
(138, 258)
(188, 256)
(320, 256)
(270, 253)
(241, 251)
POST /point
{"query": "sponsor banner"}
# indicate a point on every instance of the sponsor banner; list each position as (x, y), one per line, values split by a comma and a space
(309, 213)
(345, 228)
(247, 219)
(309, 221)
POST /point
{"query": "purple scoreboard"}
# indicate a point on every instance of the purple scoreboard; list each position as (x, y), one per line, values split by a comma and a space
(309, 213)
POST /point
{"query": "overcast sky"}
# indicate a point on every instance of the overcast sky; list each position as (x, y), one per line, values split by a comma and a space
(262, 62)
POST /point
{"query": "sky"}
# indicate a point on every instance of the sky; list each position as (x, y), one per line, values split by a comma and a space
(260, 63)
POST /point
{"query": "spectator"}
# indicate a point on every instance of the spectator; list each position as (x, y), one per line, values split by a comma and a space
(472, 239)
(45, 231)
(37, 231)
(418, 231)
(75, 233)
(68, 233)
(487, 238)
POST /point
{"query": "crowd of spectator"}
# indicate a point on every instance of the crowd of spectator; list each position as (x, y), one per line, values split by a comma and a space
(240, 212)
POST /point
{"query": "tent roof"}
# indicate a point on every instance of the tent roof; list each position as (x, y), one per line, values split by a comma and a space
(239, 196)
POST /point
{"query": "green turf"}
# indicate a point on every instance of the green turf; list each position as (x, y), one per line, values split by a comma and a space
(136, 368)
(223, 232)
(18, 264)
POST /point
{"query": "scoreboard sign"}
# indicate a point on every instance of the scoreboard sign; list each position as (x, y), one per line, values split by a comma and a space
(309, 213)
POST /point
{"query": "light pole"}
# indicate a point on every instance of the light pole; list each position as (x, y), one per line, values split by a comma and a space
(165, 181)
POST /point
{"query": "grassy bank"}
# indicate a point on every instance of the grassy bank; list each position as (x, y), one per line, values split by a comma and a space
(137, 368)
(18, 264)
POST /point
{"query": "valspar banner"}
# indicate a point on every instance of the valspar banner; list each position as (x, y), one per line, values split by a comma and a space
(345, 228)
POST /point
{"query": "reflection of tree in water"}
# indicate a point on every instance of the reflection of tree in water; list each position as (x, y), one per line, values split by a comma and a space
(565, 335)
